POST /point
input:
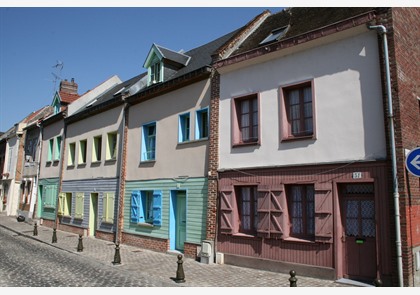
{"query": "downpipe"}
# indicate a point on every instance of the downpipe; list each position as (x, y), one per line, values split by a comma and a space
(382, 31)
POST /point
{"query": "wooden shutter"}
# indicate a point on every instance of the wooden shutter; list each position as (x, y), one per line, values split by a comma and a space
(226, 210)
(80, 198)
(157, 208)
(323, 213)
(270, 212)
(108, 209)
(136, 206)
(61, 203)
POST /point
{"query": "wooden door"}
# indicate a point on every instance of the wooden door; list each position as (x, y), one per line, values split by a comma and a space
(181, 220)
(359, 231)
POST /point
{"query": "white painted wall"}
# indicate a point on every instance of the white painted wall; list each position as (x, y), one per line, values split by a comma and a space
(100, 124)
(52, 169)
(172, 159)
(348, 105)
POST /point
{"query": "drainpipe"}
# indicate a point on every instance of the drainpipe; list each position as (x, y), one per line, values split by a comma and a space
(382, 31)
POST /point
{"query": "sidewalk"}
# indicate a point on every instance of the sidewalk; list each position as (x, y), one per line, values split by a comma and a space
(162, 266)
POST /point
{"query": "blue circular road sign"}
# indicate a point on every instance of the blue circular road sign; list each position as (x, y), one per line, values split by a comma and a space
(412, 162)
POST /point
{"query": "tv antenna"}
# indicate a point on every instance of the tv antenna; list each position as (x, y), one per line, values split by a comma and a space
(59, 66)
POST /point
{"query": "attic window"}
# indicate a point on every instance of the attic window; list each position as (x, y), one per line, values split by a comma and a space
(155, 73)
(275, 35)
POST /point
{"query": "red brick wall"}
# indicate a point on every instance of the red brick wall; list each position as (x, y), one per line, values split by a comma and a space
(106, 236)
(404, 59)
(154, 244)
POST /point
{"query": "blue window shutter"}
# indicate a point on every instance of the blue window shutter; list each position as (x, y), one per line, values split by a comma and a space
(157, 208)
(135, 206)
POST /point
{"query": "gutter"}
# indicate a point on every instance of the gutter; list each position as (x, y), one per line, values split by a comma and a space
(382, 31)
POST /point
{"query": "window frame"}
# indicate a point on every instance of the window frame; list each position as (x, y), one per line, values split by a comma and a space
(285, 120)
(237, 138)
(308, 227)
(184, 127)
(111, 146)
(97, 149)
(202, 128)
(50, 150)
(82, 157)
(146, 207)
(57, 149)
(253, 209)
(146, 148)
(71, 154)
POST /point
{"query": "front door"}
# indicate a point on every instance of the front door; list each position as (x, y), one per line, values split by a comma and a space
(93, 212)
(359, 231)
(181, 220)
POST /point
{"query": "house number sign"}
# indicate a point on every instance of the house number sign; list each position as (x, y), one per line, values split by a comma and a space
(357, 175)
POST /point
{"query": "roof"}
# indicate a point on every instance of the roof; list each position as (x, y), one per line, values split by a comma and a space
(300, 20)
(68, 97)
(177, 57)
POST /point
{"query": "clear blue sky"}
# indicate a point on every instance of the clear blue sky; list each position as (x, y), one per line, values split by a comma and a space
(94, 44)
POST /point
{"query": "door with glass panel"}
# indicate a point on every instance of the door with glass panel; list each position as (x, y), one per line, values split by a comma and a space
(359, 231)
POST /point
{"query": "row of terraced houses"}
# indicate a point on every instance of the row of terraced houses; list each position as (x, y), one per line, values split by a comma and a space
(280, 145)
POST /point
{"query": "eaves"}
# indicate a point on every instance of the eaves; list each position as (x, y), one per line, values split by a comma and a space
(297, 40)
(171, 85)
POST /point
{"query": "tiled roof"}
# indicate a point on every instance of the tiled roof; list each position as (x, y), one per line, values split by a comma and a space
(300, 20)
(67, 97)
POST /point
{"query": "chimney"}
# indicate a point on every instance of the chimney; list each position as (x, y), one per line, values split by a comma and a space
(68, 87)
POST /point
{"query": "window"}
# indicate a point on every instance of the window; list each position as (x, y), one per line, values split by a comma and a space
(97, 149)
(275, 35)
(246, 198)
(298, 111)
(184, 128)
(155, 71)
(57, 151)
(301, 203)
(146, 207)
(108, 207)
(82, 151)
(246, 123)
(64, 204)
(149, 142)
(202, 124)
(49, 193)
(72, 154)
(111, 147)
(50, 149)
(80, 198)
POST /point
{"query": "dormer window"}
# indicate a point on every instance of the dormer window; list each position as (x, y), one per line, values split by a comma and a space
(275, 35)
(155, 70)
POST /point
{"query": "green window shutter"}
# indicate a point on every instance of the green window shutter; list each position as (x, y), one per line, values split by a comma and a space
(80, 197)
(136, 207)
(61, 203)
(108, 210)
(157, 208)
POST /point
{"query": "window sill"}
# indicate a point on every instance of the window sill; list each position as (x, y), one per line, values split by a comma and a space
(243, 144)
(304, 137)
(242, 235)
(81, 165)
(71, 166)
(96, 162)
(147, 161)
(110, 160)
(77, 218)
(300, 240)
(193, 141)
(145, 224)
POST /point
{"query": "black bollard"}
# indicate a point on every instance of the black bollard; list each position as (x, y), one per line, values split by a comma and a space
(293, 279)
(377, 283)
(117, 258)
(54, 237)
(180, 276)
(35, 229)
(80, 245)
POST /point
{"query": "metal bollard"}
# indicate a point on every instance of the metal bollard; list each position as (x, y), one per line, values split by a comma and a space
(377, 283)
(293, 279)
(80, 244)
(117, 258)
(54, 237)
(35, 229)
(180, 276)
